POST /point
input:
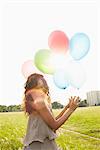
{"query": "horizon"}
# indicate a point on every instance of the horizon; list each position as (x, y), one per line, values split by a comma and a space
(52, 101)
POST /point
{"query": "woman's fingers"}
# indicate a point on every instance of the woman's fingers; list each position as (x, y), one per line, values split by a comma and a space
(77, 99)
(74, 102)
(74, 99)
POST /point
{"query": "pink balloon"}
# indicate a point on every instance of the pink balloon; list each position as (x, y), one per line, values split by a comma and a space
(58, 41)
(28, 68)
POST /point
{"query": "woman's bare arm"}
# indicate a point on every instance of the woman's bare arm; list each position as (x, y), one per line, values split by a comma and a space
(64, 109)
(40, 106)
(62, 112)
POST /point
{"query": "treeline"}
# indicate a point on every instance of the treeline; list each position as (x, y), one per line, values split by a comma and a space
(18, 108)
(55, 105)
(11, 108)
(84, 103)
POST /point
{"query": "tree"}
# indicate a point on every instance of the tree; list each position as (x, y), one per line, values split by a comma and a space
(83, 103)
(3, 108)
(56, 105)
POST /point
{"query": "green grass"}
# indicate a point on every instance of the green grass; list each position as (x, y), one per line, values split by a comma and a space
(71, 141)
(86, 121)
(83, 120)
(12, 129)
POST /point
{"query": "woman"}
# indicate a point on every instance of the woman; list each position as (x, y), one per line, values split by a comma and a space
(40, 134)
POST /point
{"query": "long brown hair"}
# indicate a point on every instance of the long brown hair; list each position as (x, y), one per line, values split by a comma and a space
(34, 81)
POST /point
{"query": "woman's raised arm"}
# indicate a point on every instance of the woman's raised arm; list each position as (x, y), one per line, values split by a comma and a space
(62, 112)
(43, 110)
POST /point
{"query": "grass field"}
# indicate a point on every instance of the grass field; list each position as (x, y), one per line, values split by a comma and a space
(83, 120)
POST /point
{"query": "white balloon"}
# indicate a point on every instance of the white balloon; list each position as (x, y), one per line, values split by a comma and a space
(75, 74)
(60, 79)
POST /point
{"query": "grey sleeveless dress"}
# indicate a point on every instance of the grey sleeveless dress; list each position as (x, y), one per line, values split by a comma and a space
(38, 135)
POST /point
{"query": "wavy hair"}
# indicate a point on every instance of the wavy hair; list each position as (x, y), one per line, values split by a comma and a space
(34, 81)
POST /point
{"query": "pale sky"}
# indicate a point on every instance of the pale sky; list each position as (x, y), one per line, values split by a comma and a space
(25, 27)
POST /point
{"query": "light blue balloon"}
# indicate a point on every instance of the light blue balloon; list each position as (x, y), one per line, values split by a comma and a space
(79, 45)
(60, 79)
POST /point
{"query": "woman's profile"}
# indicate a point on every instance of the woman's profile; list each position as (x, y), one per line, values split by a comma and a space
(41, 127)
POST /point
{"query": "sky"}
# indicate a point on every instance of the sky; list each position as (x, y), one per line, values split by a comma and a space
(25, 28)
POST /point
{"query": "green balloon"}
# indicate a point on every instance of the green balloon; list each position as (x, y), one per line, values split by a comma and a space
(43, 61)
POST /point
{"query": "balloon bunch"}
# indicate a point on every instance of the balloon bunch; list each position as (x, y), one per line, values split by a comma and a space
(55, 61)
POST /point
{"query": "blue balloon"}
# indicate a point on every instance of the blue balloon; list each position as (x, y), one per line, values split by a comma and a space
(60, 79)
(79, 45)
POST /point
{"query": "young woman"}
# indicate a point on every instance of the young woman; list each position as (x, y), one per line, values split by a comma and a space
(42, 124)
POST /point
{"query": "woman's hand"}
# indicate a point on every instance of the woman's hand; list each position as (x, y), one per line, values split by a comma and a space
(74, 102)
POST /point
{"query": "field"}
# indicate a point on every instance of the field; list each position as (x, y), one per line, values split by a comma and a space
(80, 132)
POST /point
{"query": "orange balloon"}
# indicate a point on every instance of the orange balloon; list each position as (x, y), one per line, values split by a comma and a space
(58, 41)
